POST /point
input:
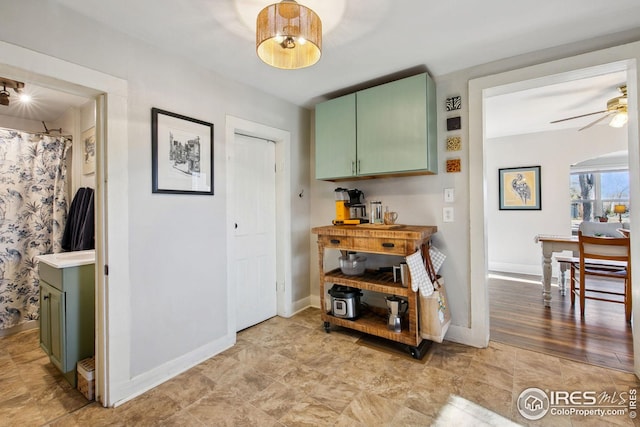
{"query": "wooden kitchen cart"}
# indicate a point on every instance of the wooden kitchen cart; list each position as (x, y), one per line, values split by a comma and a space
(401, 240)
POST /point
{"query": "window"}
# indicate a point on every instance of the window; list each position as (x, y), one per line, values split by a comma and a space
(594, 196)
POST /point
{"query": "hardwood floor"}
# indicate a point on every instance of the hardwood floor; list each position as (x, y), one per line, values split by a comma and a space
(518, 318)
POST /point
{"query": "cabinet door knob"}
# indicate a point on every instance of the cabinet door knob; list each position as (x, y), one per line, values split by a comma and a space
(388, 245)
(45, 297)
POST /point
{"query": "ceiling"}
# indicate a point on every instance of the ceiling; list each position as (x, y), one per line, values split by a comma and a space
(367, 41)
(533, 109)
(46, 104)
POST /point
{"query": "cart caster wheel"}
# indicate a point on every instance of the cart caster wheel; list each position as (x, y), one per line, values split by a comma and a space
(415, 353)
(327, 327)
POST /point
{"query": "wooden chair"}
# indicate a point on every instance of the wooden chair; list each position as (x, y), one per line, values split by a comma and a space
(604, 257)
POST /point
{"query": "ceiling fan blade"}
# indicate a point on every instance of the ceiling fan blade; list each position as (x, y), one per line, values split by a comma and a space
(597, 121)
(577, 117)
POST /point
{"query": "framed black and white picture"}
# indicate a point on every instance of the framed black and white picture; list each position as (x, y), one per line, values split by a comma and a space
(182, 154)
(519, 188)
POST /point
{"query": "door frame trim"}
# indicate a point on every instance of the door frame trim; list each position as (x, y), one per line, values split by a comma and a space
(282, 139)
(610, 57)
(112, 355)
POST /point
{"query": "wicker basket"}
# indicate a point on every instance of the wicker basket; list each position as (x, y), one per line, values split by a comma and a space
(86, 378)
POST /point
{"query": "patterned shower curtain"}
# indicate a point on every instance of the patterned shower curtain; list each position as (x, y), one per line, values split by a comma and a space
(33, 212)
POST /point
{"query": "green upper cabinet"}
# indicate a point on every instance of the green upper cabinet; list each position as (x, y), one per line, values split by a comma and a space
(393, 127)
(394, 132)
(336, 138)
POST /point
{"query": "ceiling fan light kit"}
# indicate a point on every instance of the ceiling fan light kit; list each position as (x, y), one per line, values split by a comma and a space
(619, 119)
(288, 35)
(616, 109)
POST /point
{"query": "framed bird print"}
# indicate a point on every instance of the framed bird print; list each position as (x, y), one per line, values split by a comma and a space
(519, 188)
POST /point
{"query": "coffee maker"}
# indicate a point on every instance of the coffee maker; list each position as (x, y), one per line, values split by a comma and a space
(350, 208)
(397, 308)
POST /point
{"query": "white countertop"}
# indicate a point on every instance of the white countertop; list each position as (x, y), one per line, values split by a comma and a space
(68, 259)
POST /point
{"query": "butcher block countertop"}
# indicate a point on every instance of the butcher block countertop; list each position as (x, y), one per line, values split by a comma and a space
(383, 239)
(396, 231)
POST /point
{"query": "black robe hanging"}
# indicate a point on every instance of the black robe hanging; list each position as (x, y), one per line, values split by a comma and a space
(79, 232)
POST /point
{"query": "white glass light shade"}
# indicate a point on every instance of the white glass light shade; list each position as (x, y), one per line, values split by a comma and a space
(619, 119)
(288, 35)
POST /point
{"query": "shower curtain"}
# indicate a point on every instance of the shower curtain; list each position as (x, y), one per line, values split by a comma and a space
(33, 212)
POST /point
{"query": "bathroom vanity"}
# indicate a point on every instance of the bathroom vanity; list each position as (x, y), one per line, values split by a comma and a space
(67, 320)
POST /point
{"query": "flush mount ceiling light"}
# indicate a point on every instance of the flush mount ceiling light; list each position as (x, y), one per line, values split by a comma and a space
(11, 84)
(288, 35)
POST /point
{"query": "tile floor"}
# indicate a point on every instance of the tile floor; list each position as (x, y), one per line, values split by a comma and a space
(289, 372)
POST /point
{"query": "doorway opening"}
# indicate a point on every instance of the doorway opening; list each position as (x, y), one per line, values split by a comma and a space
(481, 174)
(109, 93)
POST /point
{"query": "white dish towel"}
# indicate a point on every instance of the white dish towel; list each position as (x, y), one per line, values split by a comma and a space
(419, 278)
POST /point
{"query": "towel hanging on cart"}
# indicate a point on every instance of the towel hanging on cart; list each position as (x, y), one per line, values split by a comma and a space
(419, 278)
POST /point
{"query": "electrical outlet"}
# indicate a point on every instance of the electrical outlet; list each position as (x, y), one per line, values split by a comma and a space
(447, 214)
(449, 195)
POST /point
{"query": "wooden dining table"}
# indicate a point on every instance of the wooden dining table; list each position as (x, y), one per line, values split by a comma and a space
(551, 244)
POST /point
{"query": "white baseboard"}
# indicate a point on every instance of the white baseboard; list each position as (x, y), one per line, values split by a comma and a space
(314, 301)
(533, 270)
(300, 305)
(150, 379)
(507, 267)
(26, 326)
(462, 335)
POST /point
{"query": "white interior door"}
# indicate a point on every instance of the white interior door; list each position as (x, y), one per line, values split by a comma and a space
(254, 264)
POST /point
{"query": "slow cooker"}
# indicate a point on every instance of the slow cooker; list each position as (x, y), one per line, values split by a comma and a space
(345, 301)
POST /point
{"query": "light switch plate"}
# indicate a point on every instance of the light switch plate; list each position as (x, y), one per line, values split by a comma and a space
(449, 195)
(447, 214)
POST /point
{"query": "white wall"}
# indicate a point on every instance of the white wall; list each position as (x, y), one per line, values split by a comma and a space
(73, 122)
(20, 124)
(177, 243)
(511, 233)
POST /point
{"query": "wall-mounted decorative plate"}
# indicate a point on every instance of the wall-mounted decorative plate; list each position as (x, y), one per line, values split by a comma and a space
(454, 165)
(454, 123)
(454, 143)
(453, 103)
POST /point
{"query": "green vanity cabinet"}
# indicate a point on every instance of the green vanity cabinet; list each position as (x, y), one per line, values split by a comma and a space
(67, 321)
(336, 138)
(51, 323)
(391, 127)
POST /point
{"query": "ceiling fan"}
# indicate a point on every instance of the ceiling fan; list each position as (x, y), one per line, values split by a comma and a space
(616, 108)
